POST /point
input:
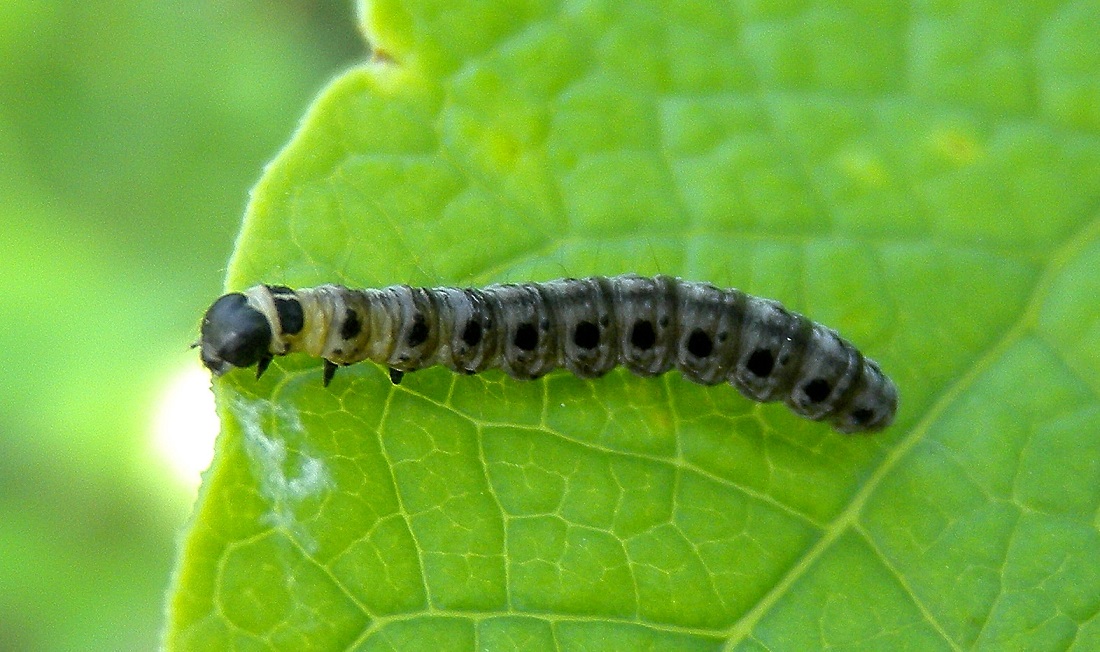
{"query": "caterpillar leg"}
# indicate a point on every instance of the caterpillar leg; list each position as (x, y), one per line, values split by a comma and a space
(261, 365)
(330, 371)
(396, 375)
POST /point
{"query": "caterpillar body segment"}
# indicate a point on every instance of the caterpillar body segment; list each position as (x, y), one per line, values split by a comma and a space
(588, 326)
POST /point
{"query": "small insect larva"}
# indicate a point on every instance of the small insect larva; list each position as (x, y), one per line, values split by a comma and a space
(589, 326)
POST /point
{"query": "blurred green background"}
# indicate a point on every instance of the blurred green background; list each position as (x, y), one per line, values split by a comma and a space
(130, 133)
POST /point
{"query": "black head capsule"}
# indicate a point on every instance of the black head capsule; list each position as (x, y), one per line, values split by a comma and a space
(234, 334)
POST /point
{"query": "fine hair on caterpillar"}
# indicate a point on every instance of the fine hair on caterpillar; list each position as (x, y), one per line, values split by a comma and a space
(588, 326)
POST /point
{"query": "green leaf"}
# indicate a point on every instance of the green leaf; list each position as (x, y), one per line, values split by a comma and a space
(924, 178)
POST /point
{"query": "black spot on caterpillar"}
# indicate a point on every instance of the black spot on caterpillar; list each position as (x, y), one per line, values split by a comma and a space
(588, 326)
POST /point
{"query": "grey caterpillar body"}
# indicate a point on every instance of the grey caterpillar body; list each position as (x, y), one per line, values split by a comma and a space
(650, 325)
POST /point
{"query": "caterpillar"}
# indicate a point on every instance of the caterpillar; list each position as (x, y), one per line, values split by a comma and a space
(650, 325)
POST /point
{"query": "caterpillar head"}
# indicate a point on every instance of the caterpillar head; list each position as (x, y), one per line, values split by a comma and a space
(235, 334)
